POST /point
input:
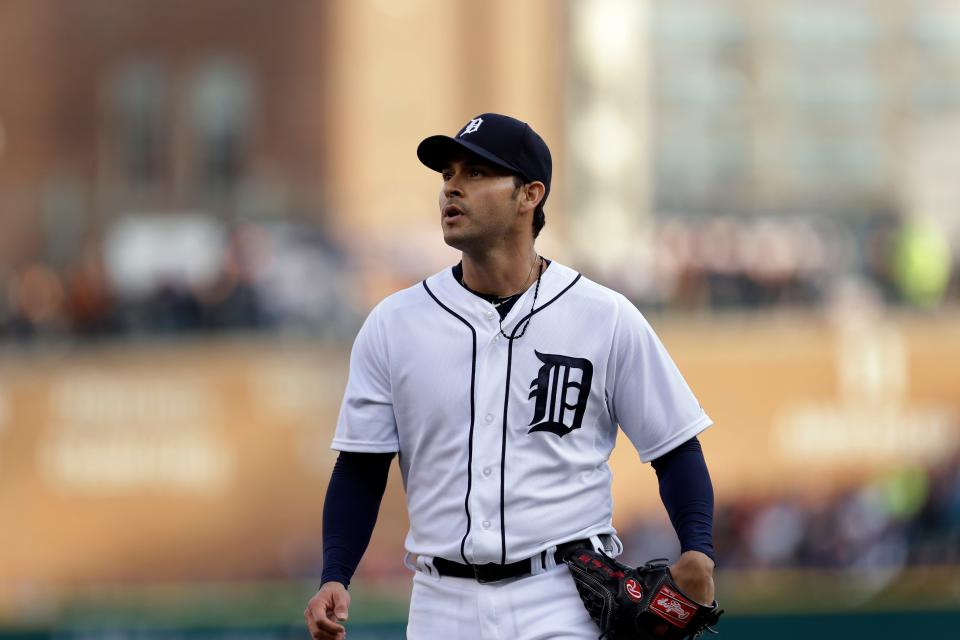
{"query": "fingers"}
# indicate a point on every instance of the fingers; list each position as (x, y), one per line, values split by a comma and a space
(329, 606)
(321, 627)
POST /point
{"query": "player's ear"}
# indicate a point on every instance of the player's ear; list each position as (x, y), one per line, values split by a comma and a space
(532, 194)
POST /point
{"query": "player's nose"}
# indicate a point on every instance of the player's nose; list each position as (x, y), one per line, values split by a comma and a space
(453, 185)
(452, 190)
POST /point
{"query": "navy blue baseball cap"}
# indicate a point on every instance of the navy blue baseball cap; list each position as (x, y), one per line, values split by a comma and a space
(498, 139)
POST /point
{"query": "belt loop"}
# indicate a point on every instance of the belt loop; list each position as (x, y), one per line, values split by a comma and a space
(616, 547)
(598, 545)
(607, 544)
(550, 558)
(424, 564)
(537, 563)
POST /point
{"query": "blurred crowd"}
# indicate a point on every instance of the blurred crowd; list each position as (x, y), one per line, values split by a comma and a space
(909, 517)
(251, 279)
(267, 278)
(752, 263)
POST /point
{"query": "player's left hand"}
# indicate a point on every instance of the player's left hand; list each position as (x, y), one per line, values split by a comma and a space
(693, 573)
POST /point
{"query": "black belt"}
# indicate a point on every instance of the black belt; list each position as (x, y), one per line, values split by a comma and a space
(494, 572)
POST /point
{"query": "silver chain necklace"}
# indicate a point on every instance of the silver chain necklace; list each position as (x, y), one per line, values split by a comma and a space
(500, 300)
(533, 305)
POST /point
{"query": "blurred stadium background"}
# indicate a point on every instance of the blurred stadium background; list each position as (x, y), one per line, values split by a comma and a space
(200, 201)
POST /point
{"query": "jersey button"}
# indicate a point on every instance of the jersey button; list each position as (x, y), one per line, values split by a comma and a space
(490, 315)
(488, 418)
(485, 524)
(487, 472)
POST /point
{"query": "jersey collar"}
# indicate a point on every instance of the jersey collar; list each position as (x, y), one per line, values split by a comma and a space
(481, 314)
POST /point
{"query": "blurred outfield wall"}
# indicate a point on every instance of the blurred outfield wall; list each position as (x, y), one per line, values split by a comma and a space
(130, 466)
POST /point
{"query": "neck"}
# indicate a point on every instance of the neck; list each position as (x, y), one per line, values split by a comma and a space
(500, 274)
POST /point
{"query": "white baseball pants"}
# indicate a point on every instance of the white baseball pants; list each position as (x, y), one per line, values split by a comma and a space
(543, 606)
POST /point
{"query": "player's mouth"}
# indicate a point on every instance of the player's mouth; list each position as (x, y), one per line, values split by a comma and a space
(452, 212)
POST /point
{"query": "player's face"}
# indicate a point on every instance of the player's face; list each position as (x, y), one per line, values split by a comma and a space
(478, 205)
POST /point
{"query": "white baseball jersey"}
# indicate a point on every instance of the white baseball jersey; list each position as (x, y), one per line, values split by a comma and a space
(503, 444)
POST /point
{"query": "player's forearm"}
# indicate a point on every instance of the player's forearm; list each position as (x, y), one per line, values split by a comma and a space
(687, 494)
(350, 511)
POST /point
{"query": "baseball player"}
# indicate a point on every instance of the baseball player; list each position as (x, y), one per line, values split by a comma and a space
(500, 384)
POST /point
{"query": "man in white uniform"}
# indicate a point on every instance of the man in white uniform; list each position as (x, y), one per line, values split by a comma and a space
(500, 383)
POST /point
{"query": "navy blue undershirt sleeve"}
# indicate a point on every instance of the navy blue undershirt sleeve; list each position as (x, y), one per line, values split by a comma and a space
(687, 494)
(350, 511)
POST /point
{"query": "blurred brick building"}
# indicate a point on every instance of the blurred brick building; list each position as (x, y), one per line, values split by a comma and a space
(245, 109)
(147, 106)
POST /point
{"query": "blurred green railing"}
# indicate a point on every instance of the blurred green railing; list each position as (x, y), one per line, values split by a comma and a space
(781, 605)
(878, 625)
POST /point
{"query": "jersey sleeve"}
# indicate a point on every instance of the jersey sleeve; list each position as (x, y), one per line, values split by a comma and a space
(367, 423)
(648, 396)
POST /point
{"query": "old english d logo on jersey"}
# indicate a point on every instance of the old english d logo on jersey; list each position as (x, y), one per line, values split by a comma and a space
(561, 388)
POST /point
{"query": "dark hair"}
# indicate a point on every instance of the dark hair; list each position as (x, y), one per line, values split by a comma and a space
(539, 218)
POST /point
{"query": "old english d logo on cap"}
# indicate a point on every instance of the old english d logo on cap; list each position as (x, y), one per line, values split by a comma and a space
(472, 126)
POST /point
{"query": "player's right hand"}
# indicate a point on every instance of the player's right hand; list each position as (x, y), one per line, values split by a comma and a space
(325, 610)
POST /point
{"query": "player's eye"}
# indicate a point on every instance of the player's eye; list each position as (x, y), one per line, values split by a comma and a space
(476, 172)
(446, 175)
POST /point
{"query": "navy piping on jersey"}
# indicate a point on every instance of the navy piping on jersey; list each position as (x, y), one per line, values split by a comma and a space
(506, 402)
(473, 382)
(544, 305)
(503, 459)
